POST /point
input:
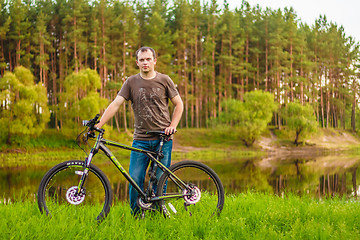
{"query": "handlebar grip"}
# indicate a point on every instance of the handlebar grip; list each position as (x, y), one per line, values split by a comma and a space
(96, 117)
(91, 123)
(85, 122)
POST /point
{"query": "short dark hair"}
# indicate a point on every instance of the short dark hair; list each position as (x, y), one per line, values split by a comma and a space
(144, 49)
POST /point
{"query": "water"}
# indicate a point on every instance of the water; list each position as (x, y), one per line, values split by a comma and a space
(320, 176)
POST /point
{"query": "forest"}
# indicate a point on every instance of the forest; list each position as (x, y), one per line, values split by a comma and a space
(81, 52)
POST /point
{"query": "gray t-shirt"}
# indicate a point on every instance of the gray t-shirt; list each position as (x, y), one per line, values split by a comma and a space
(149, 100)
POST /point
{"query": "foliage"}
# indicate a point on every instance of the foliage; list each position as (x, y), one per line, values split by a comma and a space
(300, 118)
(24, 109)
(250, 117)
(211, 52)
(81, 100)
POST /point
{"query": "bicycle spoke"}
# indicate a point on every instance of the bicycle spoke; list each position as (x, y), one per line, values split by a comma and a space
(204, 194)
(58, 192)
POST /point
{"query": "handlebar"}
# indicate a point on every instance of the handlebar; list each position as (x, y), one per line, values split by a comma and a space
(91, 123)
(91, 126)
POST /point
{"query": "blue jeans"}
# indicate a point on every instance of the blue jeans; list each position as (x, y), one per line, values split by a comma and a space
(139, 162)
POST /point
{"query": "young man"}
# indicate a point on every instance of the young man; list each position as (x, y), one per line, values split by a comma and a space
(148, 92)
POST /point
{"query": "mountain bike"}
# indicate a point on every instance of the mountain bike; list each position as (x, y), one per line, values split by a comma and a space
(186, 187)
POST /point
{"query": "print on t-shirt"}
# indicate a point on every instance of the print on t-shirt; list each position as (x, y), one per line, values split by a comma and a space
(149, 108)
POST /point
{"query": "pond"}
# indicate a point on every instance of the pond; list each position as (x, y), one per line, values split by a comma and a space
(320, 176)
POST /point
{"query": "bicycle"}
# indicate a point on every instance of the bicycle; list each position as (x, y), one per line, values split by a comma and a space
(186, 187)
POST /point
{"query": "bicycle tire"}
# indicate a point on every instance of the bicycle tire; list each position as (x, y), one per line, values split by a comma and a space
(200, 177)
(56, 189)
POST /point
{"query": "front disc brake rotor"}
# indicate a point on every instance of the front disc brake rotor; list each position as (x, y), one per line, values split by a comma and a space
(73, 197)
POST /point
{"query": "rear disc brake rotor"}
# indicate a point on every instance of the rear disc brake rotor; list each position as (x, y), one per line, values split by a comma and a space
(192, 195)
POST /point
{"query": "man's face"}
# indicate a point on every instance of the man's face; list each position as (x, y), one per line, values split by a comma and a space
(146, 61)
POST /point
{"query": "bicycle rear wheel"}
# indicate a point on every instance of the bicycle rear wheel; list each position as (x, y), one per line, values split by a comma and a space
(204, 197)
(57, 194)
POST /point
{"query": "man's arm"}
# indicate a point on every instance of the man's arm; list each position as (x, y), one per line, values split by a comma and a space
(111, 110)
(179, 107)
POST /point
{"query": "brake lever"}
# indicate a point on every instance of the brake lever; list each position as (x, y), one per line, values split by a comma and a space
(91, 135)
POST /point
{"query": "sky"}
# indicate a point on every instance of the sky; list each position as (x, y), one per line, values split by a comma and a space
(341, 12)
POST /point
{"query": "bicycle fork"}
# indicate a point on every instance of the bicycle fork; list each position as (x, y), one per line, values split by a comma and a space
(85, 172)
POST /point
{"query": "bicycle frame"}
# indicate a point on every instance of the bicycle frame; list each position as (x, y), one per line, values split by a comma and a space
(153, 156)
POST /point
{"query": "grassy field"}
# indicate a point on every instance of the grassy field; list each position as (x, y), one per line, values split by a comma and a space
(245, 216)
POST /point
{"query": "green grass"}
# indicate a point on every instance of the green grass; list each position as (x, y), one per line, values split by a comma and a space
(213, 154)
(245, 216)
(214, 138)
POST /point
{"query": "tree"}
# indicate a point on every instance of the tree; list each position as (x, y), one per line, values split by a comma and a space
(24, 109)
(251, 116)
(81, 99)
(300, 118)
(77, 31)
(182, 23)
(42, 40)
(211, 52)
(5, 21)
(159, 36)
(19, 32)
(208, 58)
(278, 56)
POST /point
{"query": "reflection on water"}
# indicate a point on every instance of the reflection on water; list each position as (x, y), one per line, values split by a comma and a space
(323, 176)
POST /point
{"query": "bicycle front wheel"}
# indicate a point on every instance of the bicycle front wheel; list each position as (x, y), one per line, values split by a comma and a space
(203, 196)
(57, 194)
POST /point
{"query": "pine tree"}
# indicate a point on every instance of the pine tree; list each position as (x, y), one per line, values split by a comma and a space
(41, 40)
(208, 56)
(5, 21)
(291, 29)
(181, 27)
(19, 32)
(226, 38)
(277, 55)
(124, 39)
(159, 35)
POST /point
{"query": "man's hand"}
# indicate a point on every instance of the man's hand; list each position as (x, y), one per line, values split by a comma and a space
(170, 130)
(179, 106)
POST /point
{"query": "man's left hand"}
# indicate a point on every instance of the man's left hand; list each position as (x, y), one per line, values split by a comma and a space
(170, 130)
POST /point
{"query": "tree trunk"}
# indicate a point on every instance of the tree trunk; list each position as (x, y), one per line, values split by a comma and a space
(61, 75)
(296, 142)
(354, 182)
(2, 70)
(353, 113)
(247, 62)
(197, 83)
(291, 74)
(192, 82)
(266, 57)
(124, 70)
(75, 47)
(103, 71)
(184, 77)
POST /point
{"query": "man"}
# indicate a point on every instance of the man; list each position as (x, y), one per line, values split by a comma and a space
(148, 92)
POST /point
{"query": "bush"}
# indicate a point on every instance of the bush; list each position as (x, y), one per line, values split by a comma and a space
(250, 117)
